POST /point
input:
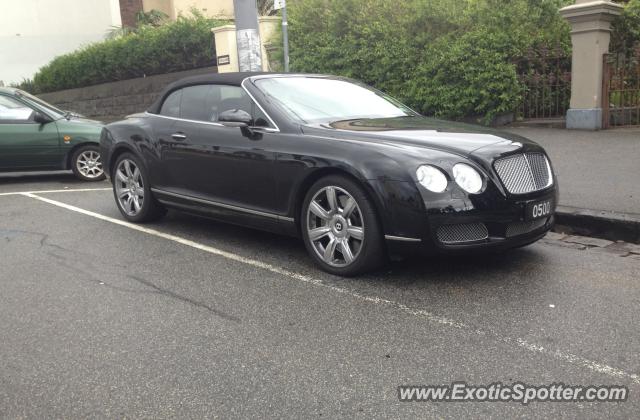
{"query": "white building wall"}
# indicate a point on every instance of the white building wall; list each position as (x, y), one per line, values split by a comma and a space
(222, 9)
(215, 8)
(33, 32)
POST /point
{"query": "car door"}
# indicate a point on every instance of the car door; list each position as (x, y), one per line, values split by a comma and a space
(164, 125)
(24, 143)
(218, 163)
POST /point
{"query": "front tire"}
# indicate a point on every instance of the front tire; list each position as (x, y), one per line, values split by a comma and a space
(132, 191)
(340, 227)
(86, 163)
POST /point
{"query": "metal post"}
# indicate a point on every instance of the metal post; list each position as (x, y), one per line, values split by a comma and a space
(606, 96)
(247, 35)
(285, 38)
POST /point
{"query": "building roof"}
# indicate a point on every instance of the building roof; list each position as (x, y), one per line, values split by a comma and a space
(232, 79)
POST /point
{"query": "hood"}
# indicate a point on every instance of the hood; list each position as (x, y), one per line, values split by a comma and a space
(74, 120)
(80, 128)
(458, 138)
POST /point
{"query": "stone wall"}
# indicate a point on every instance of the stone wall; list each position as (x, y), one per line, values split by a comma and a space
(113, 101)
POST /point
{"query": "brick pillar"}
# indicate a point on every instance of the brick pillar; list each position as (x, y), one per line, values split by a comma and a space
(128, 11)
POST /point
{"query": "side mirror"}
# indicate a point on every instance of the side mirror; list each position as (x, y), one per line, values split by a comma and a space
(41, 118)
(235, 118)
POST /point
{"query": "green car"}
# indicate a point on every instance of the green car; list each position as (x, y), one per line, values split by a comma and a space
(36, 136)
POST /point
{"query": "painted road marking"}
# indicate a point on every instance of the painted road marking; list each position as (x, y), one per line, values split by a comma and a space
(518, 342)
(55, 191)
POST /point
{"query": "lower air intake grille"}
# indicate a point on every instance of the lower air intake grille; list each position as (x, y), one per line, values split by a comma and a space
(520, 228)
(458, 234)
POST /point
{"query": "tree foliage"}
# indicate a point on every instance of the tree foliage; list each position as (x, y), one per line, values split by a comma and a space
(448, 58)
(153, 18)
(626, 29)
(265, 8)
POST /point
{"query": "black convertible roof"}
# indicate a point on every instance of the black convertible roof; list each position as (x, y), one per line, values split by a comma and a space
(232, 79)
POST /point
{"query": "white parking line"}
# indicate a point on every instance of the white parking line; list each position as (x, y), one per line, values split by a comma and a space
(55, 191)
(517, 342)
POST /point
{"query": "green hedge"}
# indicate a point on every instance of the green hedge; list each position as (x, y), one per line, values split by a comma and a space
(184, 44)
(626, 30)
(450, 58)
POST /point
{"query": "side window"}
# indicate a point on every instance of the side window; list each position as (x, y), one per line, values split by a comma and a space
(13, 111)
(198, 102)
(171, 105)
(259, 118)
(234, 97)
(207, 102)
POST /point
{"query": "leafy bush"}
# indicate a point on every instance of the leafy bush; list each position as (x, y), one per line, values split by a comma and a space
(448, 58)
(470, 72)
(184, 44)
(626, 29)
(465, 76)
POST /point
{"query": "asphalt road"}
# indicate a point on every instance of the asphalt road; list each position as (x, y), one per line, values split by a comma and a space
(190, 318)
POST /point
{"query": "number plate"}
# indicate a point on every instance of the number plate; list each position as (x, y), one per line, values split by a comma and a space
(539, 209)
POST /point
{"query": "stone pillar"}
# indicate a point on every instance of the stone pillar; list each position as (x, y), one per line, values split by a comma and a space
(226, 48)
(590, 34)
(268, 28)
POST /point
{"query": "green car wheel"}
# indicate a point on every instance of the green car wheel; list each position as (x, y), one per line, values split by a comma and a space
(86, 163)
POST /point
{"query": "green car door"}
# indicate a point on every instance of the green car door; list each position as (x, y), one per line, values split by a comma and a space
(24, 142)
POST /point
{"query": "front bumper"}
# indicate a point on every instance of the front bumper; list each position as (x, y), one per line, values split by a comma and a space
(397, 248)
(495, 223)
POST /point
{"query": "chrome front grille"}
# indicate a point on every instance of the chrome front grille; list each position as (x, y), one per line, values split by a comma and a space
(458, 234)
(520, 228)
(524, 173)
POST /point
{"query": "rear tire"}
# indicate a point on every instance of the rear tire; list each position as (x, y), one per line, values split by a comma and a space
(132, 191)
(340, 227)
(86, 163)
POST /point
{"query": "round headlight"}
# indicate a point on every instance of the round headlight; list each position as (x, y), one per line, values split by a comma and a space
(432, 178)
(467, 178)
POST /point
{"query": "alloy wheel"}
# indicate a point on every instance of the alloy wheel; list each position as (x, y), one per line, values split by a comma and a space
(89, 164)
(129, 187)
(335, 227)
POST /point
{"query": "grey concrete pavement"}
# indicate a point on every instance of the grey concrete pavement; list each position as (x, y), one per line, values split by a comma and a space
(596, 170)
(56, 180)
(100, 320)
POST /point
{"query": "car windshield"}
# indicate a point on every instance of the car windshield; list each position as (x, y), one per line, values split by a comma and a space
(55, 112)
(322, 100)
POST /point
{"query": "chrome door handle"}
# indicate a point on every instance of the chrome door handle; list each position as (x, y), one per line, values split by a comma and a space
(178, 136)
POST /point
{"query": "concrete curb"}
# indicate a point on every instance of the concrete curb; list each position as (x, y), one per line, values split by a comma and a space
(599, 224)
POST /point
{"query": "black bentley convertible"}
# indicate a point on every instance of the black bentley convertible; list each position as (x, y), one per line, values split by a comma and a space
(354, 172)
